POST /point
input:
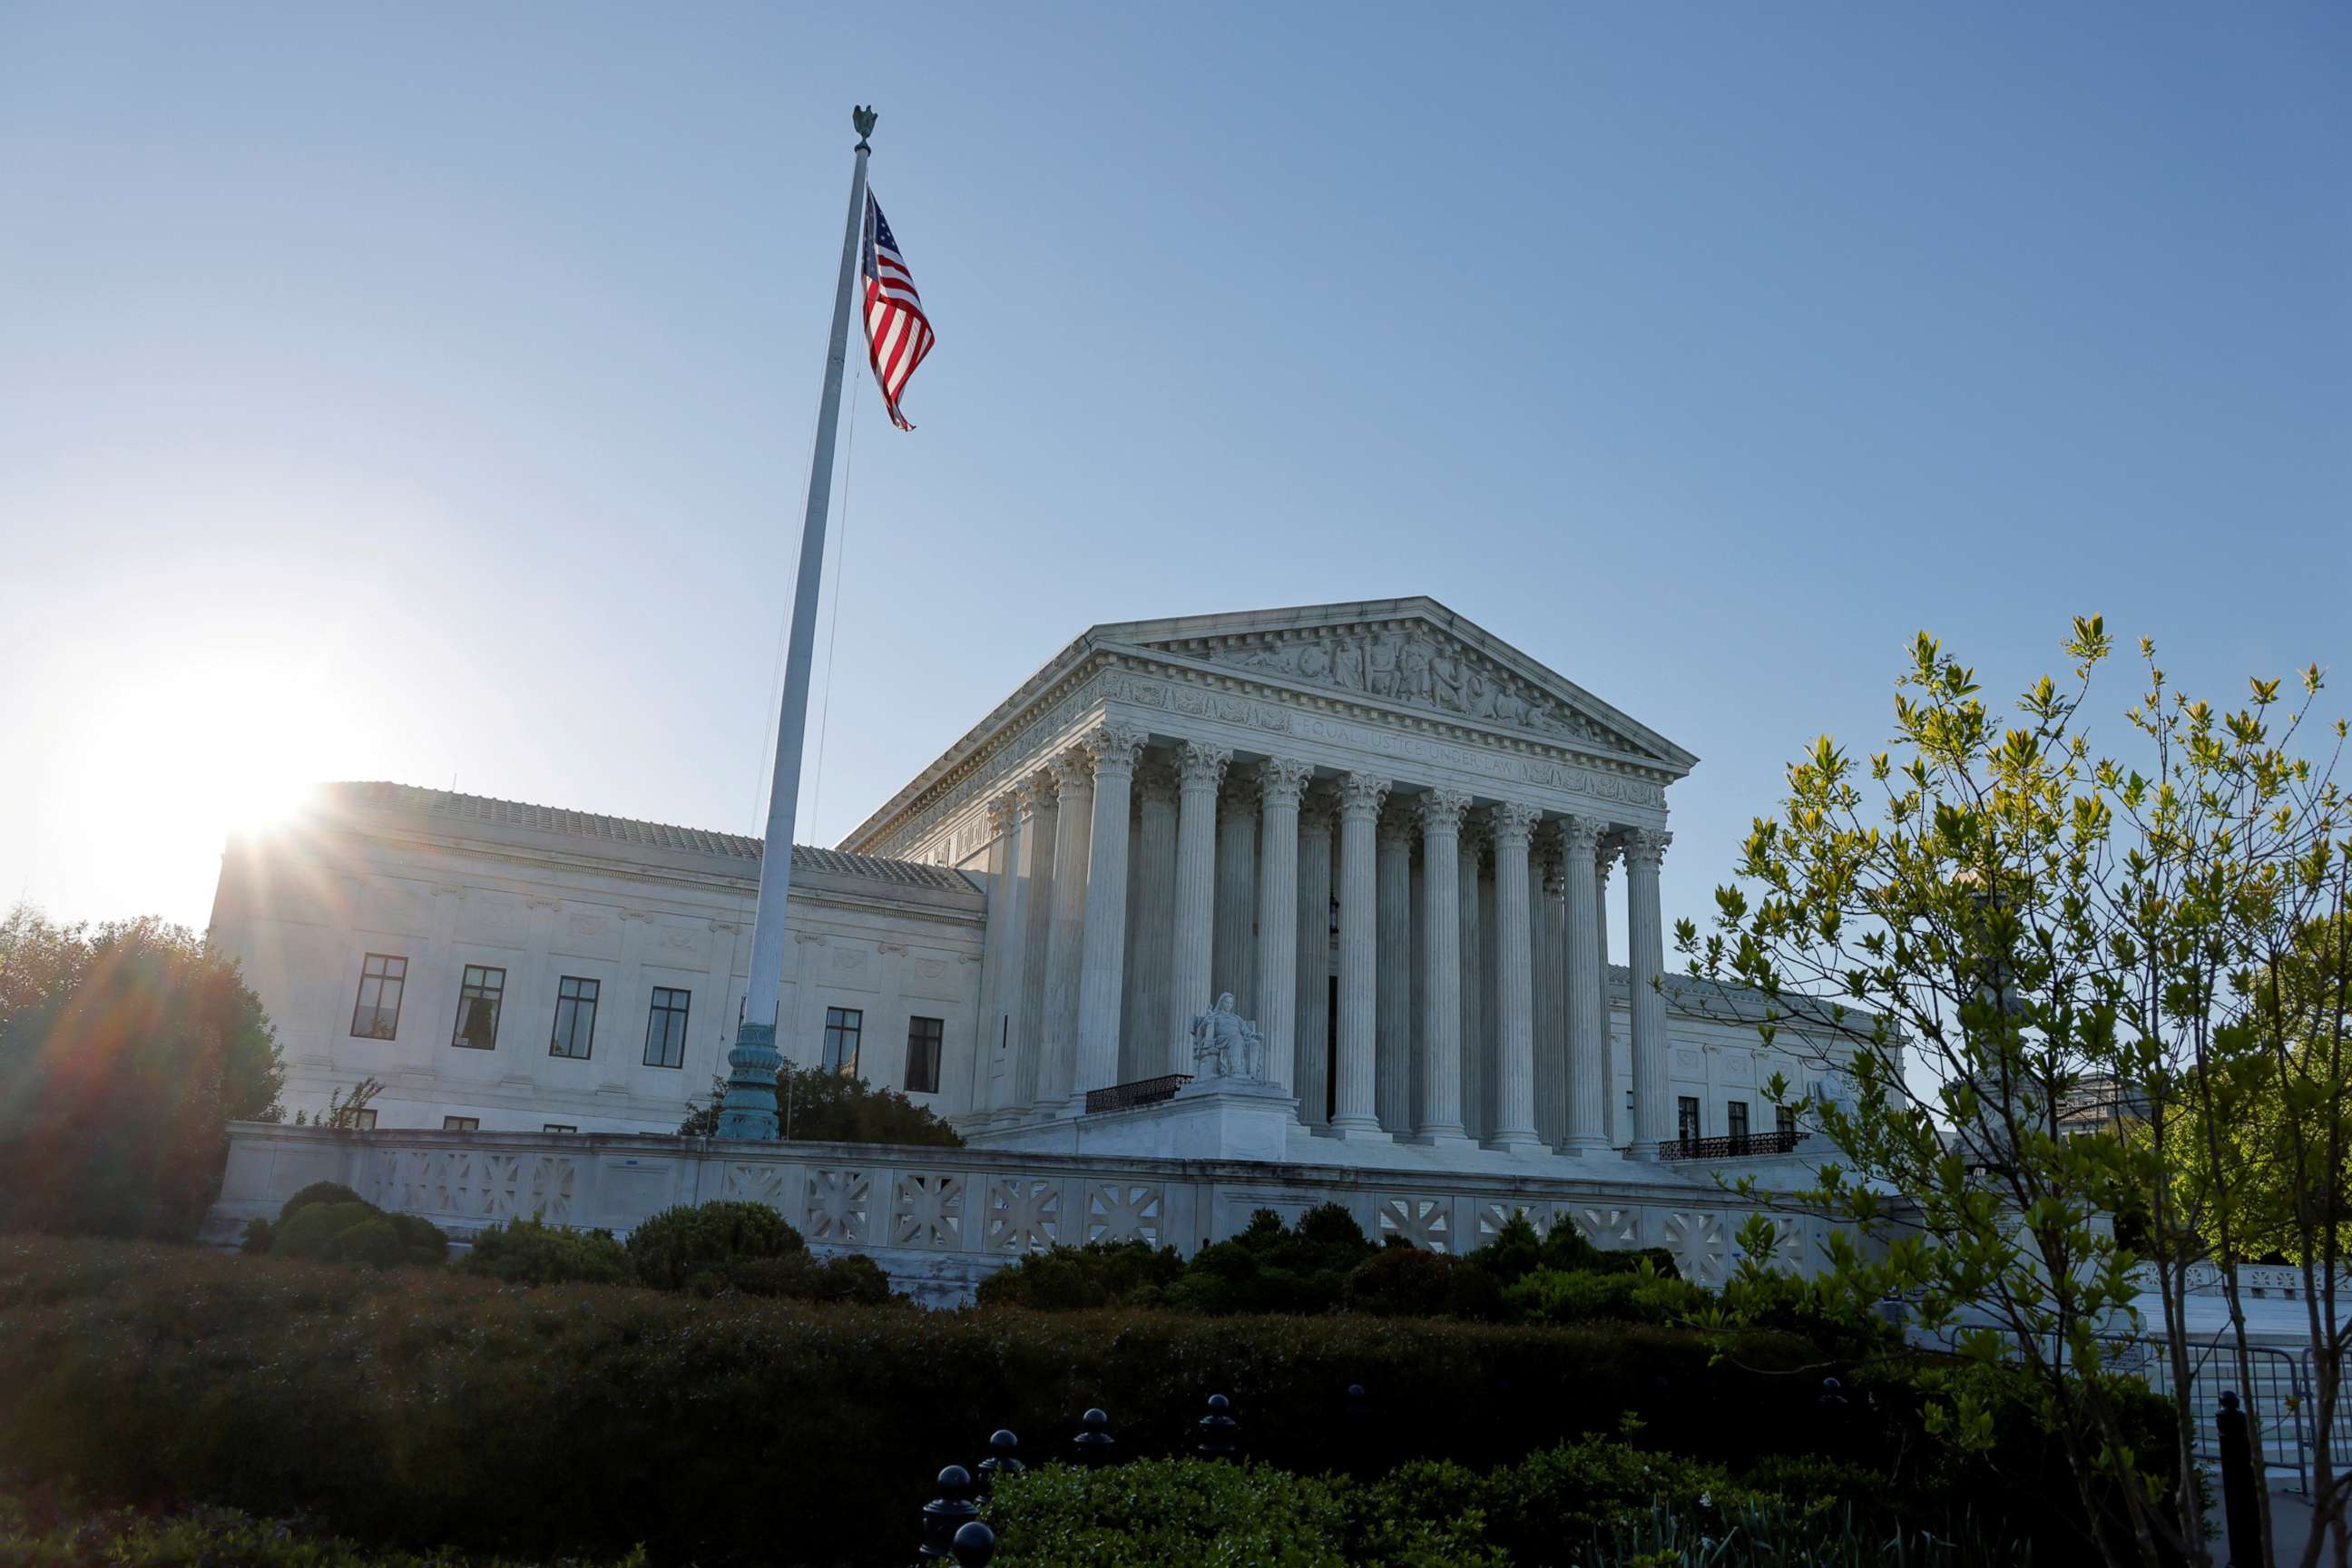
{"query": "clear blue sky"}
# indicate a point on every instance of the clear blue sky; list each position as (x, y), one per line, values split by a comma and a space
(424, 391)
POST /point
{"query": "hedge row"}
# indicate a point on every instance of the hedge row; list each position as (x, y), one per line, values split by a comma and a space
(424, 1409)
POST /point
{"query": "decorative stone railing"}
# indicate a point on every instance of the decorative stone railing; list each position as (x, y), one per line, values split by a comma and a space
(1732, 1146)
(939, 1220)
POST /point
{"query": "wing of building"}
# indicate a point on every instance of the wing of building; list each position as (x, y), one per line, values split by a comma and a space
(1396, 841)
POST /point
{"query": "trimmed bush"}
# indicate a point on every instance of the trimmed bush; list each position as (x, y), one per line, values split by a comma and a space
(357, 1233)
(367, 1399)
(526, 1252)
(320, 1193)
(1557, 1295)
(705, 1247)
(1072, 1278)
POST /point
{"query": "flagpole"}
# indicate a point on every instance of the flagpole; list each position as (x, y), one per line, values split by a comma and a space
(750, 1109)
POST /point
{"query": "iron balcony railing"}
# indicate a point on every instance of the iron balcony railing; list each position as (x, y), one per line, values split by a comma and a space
(1143, 1091)
(1736, 1146)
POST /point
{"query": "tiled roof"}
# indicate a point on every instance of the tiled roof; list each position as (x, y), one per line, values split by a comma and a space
(413, 799)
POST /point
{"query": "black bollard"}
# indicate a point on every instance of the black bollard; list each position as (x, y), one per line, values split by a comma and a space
(1095, 1444)
(1218, 1428)
(947, 1513)
(1832, 1396)
(1358, 1427)
(1000, 1461)
(2237, 1484)
(975, 1544)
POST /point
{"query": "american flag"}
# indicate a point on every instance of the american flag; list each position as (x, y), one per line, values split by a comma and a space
(898, 333)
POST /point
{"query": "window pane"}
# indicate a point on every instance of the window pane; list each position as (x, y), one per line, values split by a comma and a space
(478, 1008)
(923, 1040)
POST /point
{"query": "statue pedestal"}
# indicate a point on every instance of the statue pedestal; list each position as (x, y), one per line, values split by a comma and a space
(1208, 1119)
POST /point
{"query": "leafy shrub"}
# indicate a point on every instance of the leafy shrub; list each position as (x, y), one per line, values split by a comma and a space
(1557, 1295)
(259, 1234)
(153, 1374)
(799, 1277)
(1273, 1267)
(526, 1252)
(1406, 1282)
(704, 1246)
(320, 1193)
(358, 1232)
(815, 1105)
(1099, 1274)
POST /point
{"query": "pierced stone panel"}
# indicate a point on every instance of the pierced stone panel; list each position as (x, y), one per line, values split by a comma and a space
(927, 1211)
(470, 1185)
(1425, 1222)
(552, 1178)
(752, 1184)
(1025, 1213)
(837, 1204)
(1124, 1211)
(1698, 1242)
(1494, 1217)
(1610, 1227)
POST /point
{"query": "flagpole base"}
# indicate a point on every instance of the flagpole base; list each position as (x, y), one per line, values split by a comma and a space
(750, 1109)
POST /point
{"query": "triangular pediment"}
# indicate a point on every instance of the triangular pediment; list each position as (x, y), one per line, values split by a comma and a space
(1412, 654)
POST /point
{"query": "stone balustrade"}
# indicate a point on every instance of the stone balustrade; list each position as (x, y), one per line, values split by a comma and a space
(939, 1220)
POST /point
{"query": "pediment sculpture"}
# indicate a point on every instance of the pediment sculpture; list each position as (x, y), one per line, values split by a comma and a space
(1417, 668)
(1230, 1046)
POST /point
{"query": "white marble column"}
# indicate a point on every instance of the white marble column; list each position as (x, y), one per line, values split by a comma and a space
(1588, 990)
(1613, 1110)
(1041, 808)
(1152, 933)
(1646, 953)
(1073, 781)
(1439, 1117)
(1312, 1072)
(1514, 1028)
(1470, 991)
(1199, 769)
(1393, 1077)
(1551, 991)
(1004, 853)
(1233, 963)
(1280, 785)
(1359, 808)
(1102, 964)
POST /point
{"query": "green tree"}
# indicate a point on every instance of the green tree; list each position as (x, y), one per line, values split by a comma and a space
(814, 1106)
(124, 1051)
(1993, 923)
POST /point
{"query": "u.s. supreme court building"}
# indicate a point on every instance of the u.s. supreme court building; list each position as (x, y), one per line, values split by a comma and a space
(1398, 842)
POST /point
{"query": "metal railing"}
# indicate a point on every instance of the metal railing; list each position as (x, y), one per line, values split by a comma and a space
(1143, 1091)
(2271, 1386)
(1735, 1146)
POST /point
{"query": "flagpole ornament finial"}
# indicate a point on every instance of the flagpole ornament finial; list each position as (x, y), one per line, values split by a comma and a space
(863, 117)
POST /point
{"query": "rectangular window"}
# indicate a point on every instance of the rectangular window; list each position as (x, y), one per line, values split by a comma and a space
(461, 1124)
(665, 1029)
(1784, 1118)
(923, 1039)
(375, 1015)
(478, 1008)
(1735, 1119)
(1687, 1117)
(575, 1019)
(843, 1026)
(364, 1120)
(558, 1127)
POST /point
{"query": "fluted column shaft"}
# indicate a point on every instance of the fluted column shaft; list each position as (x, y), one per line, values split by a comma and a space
(1470, 998)
(1514, 1028)
(1234, 960)
(1152, 933)
(1102, 964)
(1440, 1113)
(1312, 1074)
(1201, 769)
(1074, 778)
(1280, 784)
(992, 1034)
(1551, 990)
(1645, 954)
(1613, 1111)
(1588, 999)
(1359, 807)
(1393, 1077)
(1038, 845)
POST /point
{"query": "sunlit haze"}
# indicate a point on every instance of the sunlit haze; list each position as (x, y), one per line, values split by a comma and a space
(424, 393)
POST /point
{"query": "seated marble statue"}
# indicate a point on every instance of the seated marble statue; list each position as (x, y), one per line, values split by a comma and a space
(1232, 1045)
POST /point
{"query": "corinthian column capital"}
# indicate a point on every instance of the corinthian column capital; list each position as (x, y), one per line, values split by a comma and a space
(1073, 770)
(1580, 838)
(1203, 764)
(1512, 824)
(1441, 810)
(1284, 781)
(1646, 846)
(1360, 795)
(1115, 748)
(1155, 781)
